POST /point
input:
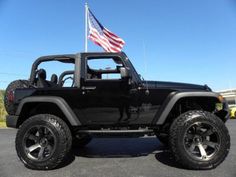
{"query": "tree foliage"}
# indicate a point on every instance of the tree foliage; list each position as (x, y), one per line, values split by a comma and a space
(3, 112)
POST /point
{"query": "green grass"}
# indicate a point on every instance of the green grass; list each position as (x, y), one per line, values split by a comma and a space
(2, 124)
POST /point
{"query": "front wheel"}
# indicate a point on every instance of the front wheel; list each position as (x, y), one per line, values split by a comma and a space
(199, 140)
(43, 142)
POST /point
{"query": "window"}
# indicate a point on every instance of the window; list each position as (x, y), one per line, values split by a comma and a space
(57, 68)
(104, 68)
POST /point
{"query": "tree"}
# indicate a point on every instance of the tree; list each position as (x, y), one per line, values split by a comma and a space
(3, 112)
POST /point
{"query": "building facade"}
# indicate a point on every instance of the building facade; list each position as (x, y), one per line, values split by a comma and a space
(229, 95)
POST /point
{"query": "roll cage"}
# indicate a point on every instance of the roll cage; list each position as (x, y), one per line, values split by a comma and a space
(80, 61)
(63, 75)
(69, 58)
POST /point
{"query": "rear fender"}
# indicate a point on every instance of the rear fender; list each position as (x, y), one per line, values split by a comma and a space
(60, 102)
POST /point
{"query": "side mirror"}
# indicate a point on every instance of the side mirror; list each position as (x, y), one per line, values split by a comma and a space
(124, 72)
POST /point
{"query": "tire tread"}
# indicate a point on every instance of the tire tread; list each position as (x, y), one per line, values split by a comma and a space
(64, 134)
(173, 139)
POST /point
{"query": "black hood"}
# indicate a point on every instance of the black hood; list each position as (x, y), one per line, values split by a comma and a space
(175, 85)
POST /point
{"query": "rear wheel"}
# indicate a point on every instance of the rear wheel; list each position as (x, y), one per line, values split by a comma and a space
(9, 94)
(43, 142)
(199, 140)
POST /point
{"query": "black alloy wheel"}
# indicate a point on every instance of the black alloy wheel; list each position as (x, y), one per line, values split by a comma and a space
(39, 143)
(43, 142)
(199, 140)
(202, 141)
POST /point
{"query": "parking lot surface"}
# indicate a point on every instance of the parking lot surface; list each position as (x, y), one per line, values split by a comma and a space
(114, 157)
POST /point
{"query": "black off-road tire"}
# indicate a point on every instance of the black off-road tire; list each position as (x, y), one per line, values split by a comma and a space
(80, 141)
(10, 107)
(177, 140)
(63, 141)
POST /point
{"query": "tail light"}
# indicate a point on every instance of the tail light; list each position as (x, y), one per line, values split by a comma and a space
(10, 96)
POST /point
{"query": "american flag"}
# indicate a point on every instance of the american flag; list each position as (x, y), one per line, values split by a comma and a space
(102, 36)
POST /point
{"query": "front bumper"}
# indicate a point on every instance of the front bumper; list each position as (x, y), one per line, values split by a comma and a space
(11, 121)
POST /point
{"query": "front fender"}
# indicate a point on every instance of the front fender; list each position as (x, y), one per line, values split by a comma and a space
(172, 99)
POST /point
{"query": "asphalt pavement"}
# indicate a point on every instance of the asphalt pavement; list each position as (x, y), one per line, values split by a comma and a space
(114, 157)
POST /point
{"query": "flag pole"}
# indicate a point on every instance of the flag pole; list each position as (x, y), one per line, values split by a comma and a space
(86, 27)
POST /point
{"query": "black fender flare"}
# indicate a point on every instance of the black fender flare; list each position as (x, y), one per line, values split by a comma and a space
(172, 99)
(60, 102)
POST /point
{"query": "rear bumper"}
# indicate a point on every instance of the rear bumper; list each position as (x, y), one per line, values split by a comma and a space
(11, 121)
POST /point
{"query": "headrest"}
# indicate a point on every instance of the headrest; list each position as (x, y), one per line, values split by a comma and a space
(42, 74)
(54, 78)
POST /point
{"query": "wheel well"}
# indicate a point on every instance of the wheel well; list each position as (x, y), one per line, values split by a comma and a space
(31, 109)
(190, 103)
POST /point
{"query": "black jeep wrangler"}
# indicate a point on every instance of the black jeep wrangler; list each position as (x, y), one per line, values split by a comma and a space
(102, 94)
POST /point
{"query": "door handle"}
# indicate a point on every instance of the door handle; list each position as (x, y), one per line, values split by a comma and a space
(89, 88)
(133, 91)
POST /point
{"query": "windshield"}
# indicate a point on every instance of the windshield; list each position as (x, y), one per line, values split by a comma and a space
(136, 76)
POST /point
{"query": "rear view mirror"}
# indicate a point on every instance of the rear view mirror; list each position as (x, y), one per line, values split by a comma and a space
(124, 72)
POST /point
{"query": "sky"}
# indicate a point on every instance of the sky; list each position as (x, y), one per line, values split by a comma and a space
(191, 41)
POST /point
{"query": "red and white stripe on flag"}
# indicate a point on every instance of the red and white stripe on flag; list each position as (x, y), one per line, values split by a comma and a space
(101, 36)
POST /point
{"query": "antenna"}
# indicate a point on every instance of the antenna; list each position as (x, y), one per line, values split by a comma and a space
(145, 68)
